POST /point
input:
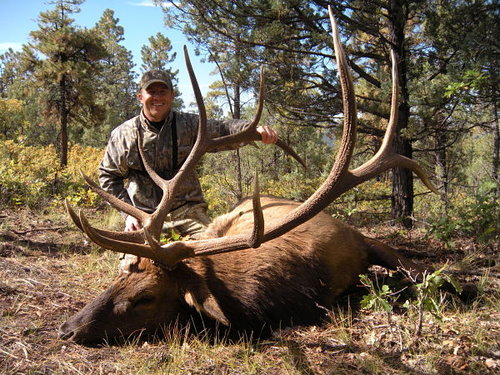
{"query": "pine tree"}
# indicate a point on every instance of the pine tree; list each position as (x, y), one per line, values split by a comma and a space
(116, 87)
(64, 75)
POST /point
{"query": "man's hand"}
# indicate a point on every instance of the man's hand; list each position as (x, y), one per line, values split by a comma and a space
(131, 223)
(268, 134)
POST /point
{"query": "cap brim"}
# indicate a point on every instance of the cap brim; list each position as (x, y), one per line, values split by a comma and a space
(149, 83)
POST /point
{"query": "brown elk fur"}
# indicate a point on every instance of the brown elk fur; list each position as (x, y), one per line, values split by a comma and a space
(285, 281)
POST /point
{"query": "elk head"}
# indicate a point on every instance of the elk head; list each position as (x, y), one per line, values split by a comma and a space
(158, 287)
(141, 298)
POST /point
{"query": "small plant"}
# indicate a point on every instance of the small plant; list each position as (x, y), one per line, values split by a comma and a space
(379, 298)
(428, 296)
(382, 298)
(31, 175)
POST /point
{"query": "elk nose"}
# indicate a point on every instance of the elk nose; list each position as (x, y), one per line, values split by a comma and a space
(64, 333)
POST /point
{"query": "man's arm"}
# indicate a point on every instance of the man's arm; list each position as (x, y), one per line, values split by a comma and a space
(113, 171)
(222, 128)
(112, 174)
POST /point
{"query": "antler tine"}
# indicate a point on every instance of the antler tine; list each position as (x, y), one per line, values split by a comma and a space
(152, 249)
(260, 103)
(201, 145)
(328, 191)
(258, 217)
(160, 182)
(114, 201)
(118, 238)
(196, 89)
(138, 249)
(135, 236)
(169, 186)
(250, 132)
(154, 222)
(340, 179)
(290, 151)
(386, 158)
(390, 132)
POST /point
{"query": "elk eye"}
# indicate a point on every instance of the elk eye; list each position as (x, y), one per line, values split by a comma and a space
(144, 300)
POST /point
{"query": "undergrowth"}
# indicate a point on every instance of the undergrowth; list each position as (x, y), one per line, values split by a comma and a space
(31, 175)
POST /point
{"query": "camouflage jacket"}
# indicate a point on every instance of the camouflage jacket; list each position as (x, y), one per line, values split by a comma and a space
(122, 161)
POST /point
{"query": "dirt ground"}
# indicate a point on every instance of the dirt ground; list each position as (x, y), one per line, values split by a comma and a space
(48, 271)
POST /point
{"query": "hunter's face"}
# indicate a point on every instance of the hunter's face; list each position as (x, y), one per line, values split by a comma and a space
(156, 101)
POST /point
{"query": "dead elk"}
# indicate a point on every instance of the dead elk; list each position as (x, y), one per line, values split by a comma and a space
(244, 274)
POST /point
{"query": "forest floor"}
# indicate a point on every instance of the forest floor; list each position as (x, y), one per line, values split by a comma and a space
(48, 271)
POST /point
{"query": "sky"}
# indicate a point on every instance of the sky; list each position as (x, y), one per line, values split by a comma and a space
(139, 18)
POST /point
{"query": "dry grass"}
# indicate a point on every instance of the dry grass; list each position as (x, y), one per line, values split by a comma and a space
(47, 275)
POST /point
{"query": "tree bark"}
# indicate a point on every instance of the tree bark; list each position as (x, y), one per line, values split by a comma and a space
(402, 187)
(496, 149)
(440, 138)
(402, 180)
(63, 119)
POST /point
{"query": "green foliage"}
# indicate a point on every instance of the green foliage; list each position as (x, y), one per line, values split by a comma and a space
(378, 298)
(477, 216)
(115, 90)
(65, 63)
(427, 297)
(31, 176)
(157, 54)
(428, 293)
(219, 189)
(472, 80)
(11, 117)
(170, 236)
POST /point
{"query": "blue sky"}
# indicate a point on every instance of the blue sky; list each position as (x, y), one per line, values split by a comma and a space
(139, 18)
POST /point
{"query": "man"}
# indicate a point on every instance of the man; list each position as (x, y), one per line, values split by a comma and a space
(168, 137)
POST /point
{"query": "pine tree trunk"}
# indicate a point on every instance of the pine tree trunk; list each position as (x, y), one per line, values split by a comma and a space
(402, 181)
(441, 163)
(402, 187)
(63, 119)
(496, 150)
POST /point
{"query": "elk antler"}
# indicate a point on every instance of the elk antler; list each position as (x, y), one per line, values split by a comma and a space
(340, 178)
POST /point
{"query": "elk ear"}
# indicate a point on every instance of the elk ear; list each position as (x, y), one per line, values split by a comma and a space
(205, 302)
(128, 263)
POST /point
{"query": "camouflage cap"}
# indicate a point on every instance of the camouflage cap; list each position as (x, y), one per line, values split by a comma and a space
(154, 76)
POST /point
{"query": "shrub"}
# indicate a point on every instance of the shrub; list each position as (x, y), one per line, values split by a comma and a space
(31, 175)
(476, 216)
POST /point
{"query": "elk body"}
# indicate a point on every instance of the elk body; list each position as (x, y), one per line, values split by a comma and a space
(270, 262)
(285, 281)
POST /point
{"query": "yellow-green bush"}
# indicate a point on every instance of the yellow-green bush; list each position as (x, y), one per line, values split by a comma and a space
(31, 174)
(369, 199)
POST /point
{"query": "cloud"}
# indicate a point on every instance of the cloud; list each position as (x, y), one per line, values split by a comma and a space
(15, 46)
(143, 3)
(149, 3)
